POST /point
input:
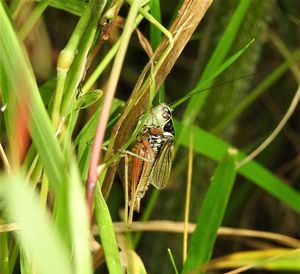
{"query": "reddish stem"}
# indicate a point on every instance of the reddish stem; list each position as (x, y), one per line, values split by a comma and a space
(96, 151)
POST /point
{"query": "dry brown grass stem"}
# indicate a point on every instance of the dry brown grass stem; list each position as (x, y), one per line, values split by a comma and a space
(178, 227)
(188, 199)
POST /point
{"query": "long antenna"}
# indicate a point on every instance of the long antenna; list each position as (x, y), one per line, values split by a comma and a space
(178, 102)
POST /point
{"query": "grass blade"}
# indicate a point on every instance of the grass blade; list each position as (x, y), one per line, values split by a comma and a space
(4, 253)
(211, 213)
(214, 148)
(107, 234)
(79, 224)
(37, 235)
(23, 82)
(269, 259)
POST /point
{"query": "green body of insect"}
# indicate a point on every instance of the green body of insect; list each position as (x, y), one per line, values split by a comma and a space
(154, 150)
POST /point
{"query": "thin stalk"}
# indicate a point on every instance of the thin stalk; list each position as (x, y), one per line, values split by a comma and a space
(275, 132)
(248, 100)
(44, 190)
(172, 261)
(4, 159)
(155, 40)
(65, 60)
(285, 52)
(153, 21)
(178, 227)
(35, 15)
(188, 198)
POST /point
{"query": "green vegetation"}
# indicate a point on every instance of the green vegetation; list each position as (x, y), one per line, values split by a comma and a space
(78, 79)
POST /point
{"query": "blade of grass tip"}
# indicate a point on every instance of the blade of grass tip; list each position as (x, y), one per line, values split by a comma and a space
(188, 198)
(214, 148)
(37, 235)
(203, 85)
(216, 59)
(107, 234)
(211, 214)
(29, 23)
(132, 262)
(172, 261)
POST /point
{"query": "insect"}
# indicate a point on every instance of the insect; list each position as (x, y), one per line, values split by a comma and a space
(153, 153)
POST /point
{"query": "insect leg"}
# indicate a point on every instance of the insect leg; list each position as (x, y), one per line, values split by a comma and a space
(126, 191)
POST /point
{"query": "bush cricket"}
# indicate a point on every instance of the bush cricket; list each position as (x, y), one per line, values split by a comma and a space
(151, 158)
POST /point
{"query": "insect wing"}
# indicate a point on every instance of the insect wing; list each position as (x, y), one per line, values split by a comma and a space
(141, 170)
(162, 166)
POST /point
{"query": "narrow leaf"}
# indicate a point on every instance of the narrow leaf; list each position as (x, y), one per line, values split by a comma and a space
(214, 148)
(211, 213)
(107, 234)
(26, 91)
(79, 224)
(36, 235)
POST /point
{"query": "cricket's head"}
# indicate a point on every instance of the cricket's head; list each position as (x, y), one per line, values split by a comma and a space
(161, 116)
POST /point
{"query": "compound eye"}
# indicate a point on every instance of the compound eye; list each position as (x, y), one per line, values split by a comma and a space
(166, 114)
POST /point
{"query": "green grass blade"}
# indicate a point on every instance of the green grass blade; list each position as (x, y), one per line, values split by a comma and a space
(155, 39)
(214, 148)
(155, 34)
(37, 235)
(4, 253)
(211, 213)
(280, 259)
(35, 15)
(79, 224)
(107, 234)
(22, 81)
(172, 261)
